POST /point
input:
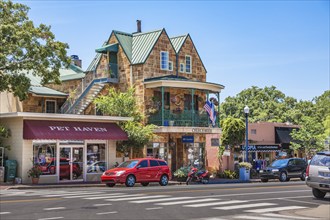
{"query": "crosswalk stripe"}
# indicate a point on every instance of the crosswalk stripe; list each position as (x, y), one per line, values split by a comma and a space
(215, 203)
(71, 197)
(276, 209)
(105, 204)
(71, 194)
(257, 217)
(285, 216)
(138, 197)
(119, 196)
(160, 200)
(4, 213)
(54, 208)
(185, 202)
(244, 206)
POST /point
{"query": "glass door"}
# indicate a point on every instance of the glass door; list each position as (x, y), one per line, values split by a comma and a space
(71, 163)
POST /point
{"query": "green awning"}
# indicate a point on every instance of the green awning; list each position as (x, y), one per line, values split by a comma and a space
(106, 48)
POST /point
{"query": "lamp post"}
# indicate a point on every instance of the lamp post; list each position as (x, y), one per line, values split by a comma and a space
(246, 111)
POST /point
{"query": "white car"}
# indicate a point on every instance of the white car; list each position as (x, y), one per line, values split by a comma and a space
(318, 174)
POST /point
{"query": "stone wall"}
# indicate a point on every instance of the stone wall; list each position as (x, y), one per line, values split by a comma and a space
(38, 104)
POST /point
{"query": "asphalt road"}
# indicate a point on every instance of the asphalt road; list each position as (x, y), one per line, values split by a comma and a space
(214, 201)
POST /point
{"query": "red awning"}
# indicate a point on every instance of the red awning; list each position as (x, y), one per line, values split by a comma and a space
(72, 130)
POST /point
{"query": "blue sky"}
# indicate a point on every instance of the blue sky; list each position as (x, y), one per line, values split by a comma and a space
(241, 43)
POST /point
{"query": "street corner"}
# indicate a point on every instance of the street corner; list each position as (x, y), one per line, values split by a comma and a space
(321, 212)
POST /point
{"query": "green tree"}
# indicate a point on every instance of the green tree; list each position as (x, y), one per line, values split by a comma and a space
(310, 137)
(27, 49)
(233, 133)
(123, 104)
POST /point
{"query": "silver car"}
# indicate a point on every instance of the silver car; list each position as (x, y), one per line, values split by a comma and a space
(318, 174)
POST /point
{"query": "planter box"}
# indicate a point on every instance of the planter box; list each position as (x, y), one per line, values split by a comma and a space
(244, 174)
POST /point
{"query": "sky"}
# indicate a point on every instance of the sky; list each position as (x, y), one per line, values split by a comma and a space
(241, 43)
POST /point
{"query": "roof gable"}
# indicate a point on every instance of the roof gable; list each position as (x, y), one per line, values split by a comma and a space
(178, 41)
(125, 40)
(143, 43)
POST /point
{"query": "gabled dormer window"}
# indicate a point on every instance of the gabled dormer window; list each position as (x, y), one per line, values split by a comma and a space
(164, 60)
(188, 64)
(181, 67)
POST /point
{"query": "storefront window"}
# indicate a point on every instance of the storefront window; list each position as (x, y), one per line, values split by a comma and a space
(195, 154)
(96, 158)
(44, 154)
(157, 150)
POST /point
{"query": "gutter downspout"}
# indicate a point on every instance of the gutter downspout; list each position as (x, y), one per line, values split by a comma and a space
(131, 75)
(177, 64)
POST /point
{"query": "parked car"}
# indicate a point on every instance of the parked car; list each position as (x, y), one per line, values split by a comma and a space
(284, 169)
(318, 174)
(143, 170)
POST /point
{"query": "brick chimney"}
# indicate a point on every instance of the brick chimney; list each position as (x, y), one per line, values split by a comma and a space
(75, 60)
(138, 23)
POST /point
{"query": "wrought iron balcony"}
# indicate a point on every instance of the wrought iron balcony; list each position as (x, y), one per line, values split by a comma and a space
(186, 118)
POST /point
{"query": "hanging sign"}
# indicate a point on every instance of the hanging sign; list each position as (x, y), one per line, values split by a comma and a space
(187, 139)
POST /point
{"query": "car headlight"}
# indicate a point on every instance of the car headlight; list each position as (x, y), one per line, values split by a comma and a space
(275, 170)
(119, 173)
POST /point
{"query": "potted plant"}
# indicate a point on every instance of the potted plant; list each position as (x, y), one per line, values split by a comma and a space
(244, 171)
(181, 174)
(34, 172)
(245, 165)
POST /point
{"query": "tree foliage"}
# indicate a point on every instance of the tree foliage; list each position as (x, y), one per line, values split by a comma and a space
(27, 48)
(233, 132)
(270, 105)
(117, 103)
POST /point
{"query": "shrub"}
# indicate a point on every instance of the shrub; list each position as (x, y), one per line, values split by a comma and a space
(181, 172)
(230, 174)
(245, 165)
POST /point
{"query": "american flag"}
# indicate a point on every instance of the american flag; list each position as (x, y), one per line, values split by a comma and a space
(209, 108)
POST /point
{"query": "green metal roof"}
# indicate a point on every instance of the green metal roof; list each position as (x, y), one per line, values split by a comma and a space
(106, 48)
(143, 44)
(73, 72)
(44, 91)
(92, 66)
(178, 41)
(125, 40)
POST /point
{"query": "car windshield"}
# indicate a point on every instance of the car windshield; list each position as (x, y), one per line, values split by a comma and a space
(279, 163)
(321, 160)
(128, 164)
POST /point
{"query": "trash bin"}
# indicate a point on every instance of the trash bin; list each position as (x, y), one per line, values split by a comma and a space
(244, 174)
(10, 173)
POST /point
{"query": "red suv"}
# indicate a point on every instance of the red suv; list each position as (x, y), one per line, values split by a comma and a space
(142, 171)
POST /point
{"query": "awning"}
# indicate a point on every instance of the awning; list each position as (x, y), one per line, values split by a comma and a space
(284, 136)
(106, 48)
(72, 130)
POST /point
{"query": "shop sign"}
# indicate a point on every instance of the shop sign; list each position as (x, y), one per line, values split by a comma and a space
(187, 139)
(261, 148)
(201, 130)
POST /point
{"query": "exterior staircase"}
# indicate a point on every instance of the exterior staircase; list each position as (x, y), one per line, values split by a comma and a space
(81, 101)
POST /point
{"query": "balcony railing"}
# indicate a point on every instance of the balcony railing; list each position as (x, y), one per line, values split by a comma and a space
(187, 118)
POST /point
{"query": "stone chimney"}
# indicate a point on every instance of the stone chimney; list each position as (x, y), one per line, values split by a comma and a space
(75, 60)
(138, 23)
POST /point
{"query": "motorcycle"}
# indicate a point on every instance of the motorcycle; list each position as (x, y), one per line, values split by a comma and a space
(198, 176)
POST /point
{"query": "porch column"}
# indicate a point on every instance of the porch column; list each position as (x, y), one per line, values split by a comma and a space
(162, 105)
(218, 96)
(192, 107)
(207, 98)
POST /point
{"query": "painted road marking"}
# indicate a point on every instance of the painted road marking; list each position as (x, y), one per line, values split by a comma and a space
(29, 200)
(139, 197)
(257, 217)
(154, 208)
(4, 213)
(105, 213)
(276, 209)
(120, 196)
(105, 204)
(80, 196)
(244, 206)
(70, 194)
(54, 208)
(185, 202)
(50, 218)
(215, 203)
(161, 200)
(285, 216)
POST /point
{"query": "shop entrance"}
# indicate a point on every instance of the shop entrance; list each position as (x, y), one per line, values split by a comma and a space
(71, 163)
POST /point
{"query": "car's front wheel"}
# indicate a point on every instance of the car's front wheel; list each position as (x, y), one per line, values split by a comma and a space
(318, 193)
(130, 181)
(163, 180)
(303, 176)
(283, 176)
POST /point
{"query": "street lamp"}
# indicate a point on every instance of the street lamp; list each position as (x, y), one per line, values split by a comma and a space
(246, 111)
